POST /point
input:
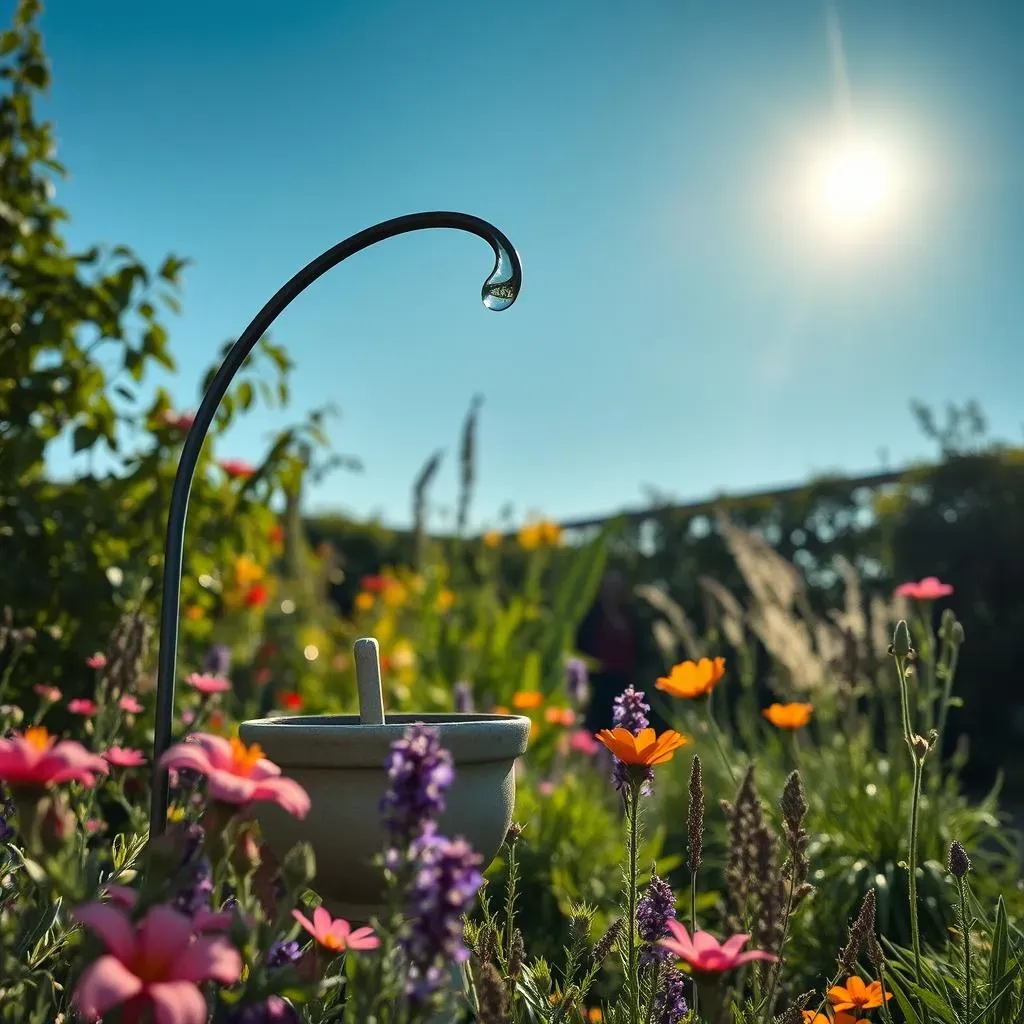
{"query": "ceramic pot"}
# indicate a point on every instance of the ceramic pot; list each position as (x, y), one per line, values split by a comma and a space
(340, 763)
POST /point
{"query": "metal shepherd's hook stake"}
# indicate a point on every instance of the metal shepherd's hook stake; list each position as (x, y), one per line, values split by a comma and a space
(499, 292)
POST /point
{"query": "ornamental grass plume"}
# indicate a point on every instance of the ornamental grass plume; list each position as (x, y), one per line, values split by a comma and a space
(156, 965)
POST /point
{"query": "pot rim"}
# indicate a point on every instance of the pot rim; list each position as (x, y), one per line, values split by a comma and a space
(339, 741)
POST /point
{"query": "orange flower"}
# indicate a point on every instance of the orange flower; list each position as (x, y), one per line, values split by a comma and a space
(691, 679)
(499, 709)
(788, 716)
(276, 534)
(445, 599)
(194, 613)
(560, 716)
(492, 539)
(594, 1015)
(527, 700)
(364, 601)
(855, 995)
(292, 701)
(810, 1017)
(645, 749)
(257, 596)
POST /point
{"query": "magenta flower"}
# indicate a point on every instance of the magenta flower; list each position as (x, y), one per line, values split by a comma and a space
(582, 741)
(929, 589)
(705, 955)
(237, 774)
(208, 685)
(336, 934)
(124, 757)
(181, 421)
(129, 705)
(35, 759)
(82, 706)
(96, 660)
(155, 965)
(50, 694)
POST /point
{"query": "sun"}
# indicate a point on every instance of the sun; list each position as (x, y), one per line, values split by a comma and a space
(855, 188)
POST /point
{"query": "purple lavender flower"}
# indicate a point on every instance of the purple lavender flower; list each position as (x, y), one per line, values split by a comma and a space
(218, 660)
(419, 772)
(195, 893)
(282, 953)
(576, 681)
(630, 712)
(273, 1010)
(670, 999)
(462, 695)
(656, 908)
(444, 887)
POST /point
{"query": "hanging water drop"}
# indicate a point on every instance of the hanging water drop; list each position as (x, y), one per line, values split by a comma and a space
(501, 289)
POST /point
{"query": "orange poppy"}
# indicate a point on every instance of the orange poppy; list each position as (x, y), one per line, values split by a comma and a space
(644, 749)
(855, 995)
(810, 1017)
(788, 716)
(527, 700)
(692, 679)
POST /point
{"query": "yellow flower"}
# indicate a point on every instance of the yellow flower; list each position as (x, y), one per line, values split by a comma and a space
(527, 700)
(445, 599)
(364, 600)
(543, 532)
(529, 536)
(402, 655)
(691, 679)
(645, 749)
(248, 571)
(550, 533)
(788, 716)
(492, 539)
(395, 594)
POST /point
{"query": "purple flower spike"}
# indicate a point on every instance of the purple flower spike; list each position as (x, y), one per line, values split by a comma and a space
(656, 908)
(630, 712)
(577, 681)
(217, 661)
(419, 772)
(462, 696)
(670, 1000)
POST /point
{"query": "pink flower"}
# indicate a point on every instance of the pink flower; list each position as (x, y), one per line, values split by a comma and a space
(188, 716)
(155, 965)
(237, 774)
(929, 589)
(545, 787)
(204, 921)
(129, 705)
(82, 706)
(181, 421)
(94, 825)
(208, 684)
(124, 757)
(35, 759)
(237, 469)
(337, 934)
(704, 954)
(582, 740)
(51, 694)
(96, 660)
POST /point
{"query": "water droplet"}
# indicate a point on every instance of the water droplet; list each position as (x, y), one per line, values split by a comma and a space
(501, 288)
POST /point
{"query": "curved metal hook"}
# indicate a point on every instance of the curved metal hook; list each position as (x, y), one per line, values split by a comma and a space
(499, 292)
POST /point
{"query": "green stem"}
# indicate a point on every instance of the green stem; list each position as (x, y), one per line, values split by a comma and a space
(776, 968)
(915, 930)
(716, 736)
(947, 693)
(965, 925)
(693, 926)
(886, 1012)
(632, 825)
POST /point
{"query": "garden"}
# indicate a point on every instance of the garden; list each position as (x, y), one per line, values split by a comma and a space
(781, 823)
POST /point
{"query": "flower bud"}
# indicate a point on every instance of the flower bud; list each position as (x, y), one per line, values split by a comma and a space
(956, 634)
(919, 747)
(958, 862)
(299, 867)
(14, 714)
(901, 640)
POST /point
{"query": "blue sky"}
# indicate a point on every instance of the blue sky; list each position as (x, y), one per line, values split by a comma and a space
(683, 322)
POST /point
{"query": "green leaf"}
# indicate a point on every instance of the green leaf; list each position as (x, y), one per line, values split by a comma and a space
(84, 437)
(245, 395)
(997, 961)
(903, 999)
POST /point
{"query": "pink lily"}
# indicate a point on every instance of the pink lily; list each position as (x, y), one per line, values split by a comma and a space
(336, 934)
(155, 965)
(706, 955)
(36, 759)
(237, 774)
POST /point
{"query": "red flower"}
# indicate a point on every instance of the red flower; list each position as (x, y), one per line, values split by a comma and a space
(929, 589)
(180, 421)
(292, 701)
(276, 533)
(374, 584)
(256, 596)
(237, 469)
